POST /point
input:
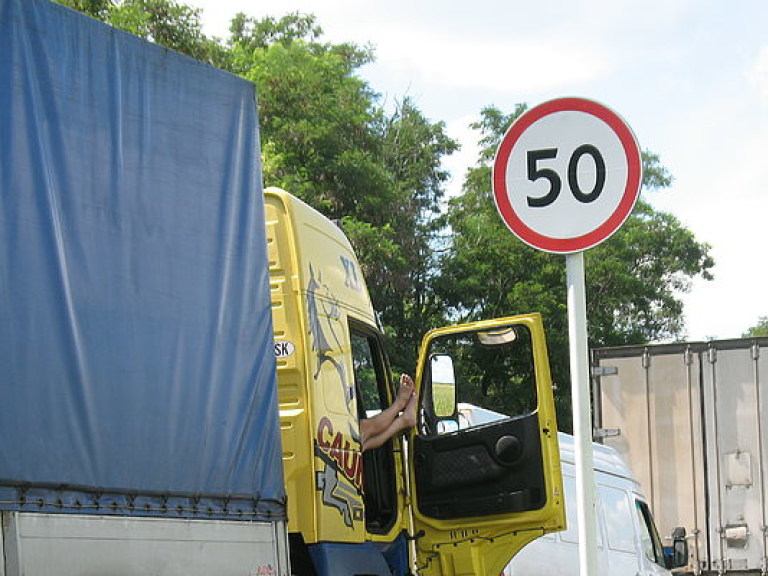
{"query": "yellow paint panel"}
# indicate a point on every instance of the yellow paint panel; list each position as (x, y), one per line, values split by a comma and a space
(315, 282)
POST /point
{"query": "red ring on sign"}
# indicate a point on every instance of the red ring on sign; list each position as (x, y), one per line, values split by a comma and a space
(613, 222)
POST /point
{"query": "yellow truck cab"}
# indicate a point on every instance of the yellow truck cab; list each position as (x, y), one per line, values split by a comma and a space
(442, 499)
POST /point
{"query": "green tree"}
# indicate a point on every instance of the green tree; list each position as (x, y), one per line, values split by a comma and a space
(634, 280)
(413, 148)
(327, 139)
(758, 330)
(99, 9)
(165, 22)
(318, 120)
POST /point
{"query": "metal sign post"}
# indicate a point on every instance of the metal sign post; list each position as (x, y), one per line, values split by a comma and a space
(566, 176)
(582, 415)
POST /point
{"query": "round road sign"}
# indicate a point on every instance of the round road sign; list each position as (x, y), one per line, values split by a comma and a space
(566, 175)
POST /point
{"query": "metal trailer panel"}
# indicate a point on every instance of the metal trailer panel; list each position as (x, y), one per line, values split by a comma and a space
(658, 425)
(73, 545)
(691, 423)
(761, 380)
(735, 420)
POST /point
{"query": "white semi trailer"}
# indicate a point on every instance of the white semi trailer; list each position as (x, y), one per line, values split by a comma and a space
(691, 420)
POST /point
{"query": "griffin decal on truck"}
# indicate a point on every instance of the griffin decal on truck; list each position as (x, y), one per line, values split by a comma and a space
(320, 342)
(341, 479)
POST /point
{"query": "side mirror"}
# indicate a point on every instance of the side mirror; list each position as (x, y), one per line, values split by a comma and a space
(677, 556)
(442, 391)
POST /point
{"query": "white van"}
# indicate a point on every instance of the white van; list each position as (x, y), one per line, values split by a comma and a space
(628, 543)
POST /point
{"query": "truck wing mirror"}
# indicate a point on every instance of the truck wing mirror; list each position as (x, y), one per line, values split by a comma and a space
(678, 556)
(442, 392)
(443, 383)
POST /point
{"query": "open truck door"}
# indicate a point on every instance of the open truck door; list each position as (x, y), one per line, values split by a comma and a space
(485, 484)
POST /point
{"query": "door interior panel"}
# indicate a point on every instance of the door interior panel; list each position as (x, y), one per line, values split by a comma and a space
(490, 469)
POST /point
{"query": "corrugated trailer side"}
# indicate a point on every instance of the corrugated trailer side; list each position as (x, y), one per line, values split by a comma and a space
(691, 419)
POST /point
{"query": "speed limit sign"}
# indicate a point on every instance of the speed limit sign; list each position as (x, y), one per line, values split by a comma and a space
(566, 175)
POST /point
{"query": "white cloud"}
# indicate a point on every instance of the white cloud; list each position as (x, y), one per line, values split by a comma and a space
(440, 56)
(512, 66)
(458, 162)
(721, 195)
(759, 73)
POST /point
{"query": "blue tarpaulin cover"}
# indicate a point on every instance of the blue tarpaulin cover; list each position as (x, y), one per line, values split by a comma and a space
(137, 372)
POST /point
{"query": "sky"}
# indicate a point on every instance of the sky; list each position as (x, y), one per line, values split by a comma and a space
(689, 76)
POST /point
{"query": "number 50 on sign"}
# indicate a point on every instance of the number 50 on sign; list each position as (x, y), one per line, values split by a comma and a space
(567, 175)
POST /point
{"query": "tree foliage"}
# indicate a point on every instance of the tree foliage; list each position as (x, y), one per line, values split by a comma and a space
(317, 118)
(171, 24)
(758, 330)
(413, 148)
(327, 139)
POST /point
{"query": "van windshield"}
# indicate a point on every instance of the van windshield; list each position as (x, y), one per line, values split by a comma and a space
(649, 536)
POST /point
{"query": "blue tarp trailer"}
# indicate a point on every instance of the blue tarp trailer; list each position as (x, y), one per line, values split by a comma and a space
(137, 374)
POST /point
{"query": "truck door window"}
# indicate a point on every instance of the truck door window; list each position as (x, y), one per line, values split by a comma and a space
(493, 378)
(367, 374)
(379, 487)
(618, 519)
(649, 537)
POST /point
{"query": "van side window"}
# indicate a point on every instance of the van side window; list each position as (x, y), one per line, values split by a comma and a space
(649, 537)
(620, 525)
(571, 533)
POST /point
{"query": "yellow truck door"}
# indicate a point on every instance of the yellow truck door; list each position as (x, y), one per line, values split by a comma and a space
(484, 464)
